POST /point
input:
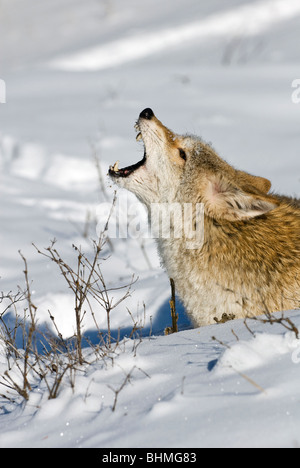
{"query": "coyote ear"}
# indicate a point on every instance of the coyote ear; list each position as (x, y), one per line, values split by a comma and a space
(246, 181)
(223, 200)
(263, 184)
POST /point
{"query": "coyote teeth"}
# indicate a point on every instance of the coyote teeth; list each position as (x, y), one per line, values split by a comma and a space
(139, 137)
(115, 167)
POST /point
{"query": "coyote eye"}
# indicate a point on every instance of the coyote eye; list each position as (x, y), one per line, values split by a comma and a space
(182, 154)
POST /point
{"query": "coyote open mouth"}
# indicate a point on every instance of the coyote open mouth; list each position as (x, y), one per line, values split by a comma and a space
(115, 171)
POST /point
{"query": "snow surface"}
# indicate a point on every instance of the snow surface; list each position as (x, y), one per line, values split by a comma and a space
(77, 75)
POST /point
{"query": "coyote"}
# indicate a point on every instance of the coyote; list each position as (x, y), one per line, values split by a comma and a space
(249, 260)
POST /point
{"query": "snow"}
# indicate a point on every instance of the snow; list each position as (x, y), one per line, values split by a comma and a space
(80, 90)
(250, 18)
(184, 391)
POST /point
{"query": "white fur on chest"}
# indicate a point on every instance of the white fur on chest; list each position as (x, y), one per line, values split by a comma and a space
(203, 297)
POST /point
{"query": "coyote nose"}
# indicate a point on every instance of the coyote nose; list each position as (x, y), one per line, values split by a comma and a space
(147, 114)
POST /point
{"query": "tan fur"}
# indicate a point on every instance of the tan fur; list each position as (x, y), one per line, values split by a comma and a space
(249, 262)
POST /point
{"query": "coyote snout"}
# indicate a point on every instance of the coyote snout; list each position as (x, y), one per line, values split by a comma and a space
(248, 262)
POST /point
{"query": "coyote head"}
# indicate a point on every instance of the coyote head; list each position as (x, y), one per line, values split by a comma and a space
(182, 168)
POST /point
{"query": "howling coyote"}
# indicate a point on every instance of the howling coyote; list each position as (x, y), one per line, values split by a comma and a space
(249, 260)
